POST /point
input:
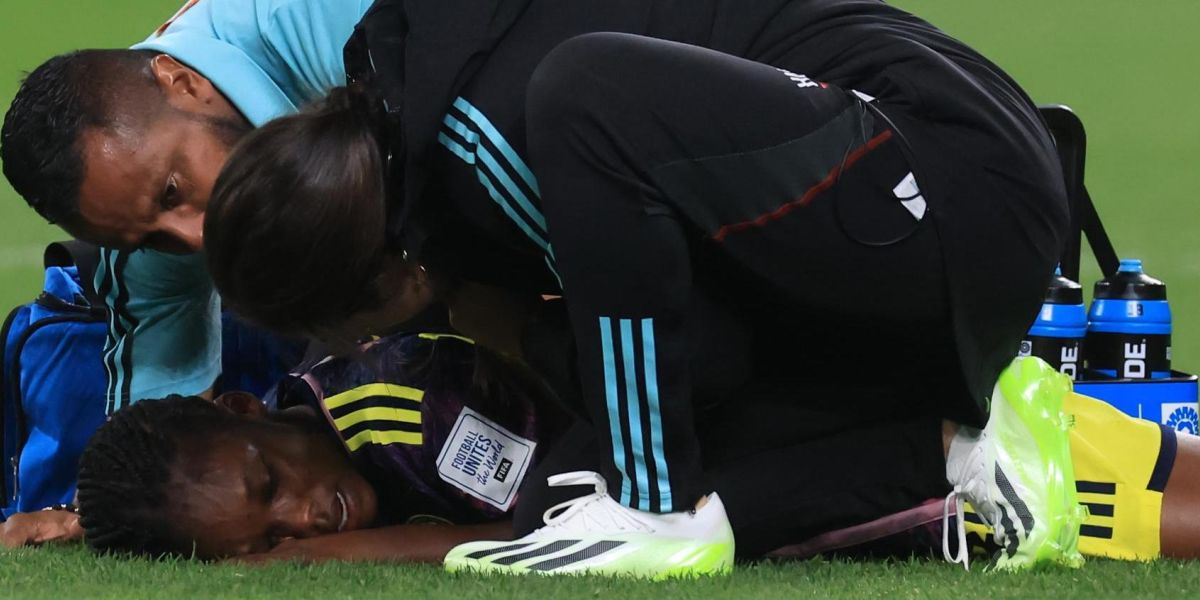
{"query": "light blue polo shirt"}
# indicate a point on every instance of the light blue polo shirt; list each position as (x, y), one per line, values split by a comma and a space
(269, 58)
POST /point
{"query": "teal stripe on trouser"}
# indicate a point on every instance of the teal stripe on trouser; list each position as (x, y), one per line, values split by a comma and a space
(613, 402)
(637, 440)
(655, 412)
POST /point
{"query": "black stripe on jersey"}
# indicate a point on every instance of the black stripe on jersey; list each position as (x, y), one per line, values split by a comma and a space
(1166, 460)
(1096, 509)
(362, 426)
(568, 559)
(373, 401)
(971, 517)
(1096, 531)
(498, 550)
(1096, 487)
(536, 552)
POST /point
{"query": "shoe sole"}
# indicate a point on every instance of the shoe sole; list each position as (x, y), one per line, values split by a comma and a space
(688, 560)
(1034, 394)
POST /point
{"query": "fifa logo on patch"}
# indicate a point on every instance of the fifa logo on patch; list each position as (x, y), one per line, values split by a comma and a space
(1181, 417)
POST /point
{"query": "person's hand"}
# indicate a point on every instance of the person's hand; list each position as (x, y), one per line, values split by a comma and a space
(393, 544)
(36, 528)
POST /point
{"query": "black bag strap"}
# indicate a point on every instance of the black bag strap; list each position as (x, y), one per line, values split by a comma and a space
(1071, 142)
(83, 256)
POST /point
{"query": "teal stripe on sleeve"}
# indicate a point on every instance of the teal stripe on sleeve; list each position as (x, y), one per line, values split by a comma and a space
(486, 168)
(498, 172)
(456, 149)
(497, 139)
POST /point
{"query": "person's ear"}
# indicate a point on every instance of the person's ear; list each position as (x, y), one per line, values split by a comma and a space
(184, 87)
(242, 403)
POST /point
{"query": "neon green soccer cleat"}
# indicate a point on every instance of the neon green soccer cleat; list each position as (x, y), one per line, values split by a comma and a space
(595, 534)
(1017, 472)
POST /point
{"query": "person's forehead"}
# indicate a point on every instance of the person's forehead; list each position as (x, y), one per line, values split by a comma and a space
(213, 493)
(219, 459)
(121, 173)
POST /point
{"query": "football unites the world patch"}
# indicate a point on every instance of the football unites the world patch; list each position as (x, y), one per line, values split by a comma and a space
(484, 459)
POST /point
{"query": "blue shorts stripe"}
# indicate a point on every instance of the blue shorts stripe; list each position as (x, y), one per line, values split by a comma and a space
(637, 441)
(655, 411)
(613, 403)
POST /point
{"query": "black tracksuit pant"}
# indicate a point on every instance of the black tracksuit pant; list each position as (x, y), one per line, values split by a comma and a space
(786, 471)
(722, 228)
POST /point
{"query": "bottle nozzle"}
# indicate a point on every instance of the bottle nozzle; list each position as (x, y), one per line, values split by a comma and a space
(1130, 265)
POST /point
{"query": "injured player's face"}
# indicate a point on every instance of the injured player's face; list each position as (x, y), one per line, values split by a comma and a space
(264, 479)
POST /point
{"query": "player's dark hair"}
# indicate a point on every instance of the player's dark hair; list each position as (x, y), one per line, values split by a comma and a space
(126, 468)
(295, 226)
(57, 102)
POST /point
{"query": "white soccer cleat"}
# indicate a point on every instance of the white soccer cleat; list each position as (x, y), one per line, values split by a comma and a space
(1017, 472)
(595, 534)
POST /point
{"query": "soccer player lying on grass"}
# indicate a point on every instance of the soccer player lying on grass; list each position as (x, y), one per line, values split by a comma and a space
(415, 414)
(325, 506)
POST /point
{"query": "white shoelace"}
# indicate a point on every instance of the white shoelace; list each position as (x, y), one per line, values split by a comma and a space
(963, 554)
(957, 493)
(590, 510)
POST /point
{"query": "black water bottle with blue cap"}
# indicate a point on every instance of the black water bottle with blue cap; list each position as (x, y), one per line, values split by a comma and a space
(1057, 336)
(1129, 334)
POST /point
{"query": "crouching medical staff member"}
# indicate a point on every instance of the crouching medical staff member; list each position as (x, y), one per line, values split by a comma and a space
(837, 172)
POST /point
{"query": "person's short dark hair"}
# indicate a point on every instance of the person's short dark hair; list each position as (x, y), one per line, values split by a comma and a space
(295, 227)
(126, 469)
(56, 103)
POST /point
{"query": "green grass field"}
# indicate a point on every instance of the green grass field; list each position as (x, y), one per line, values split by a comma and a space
(1128, 68)
(71, 573)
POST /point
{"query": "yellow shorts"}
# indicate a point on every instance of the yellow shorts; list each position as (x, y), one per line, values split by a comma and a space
(1121, 469)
